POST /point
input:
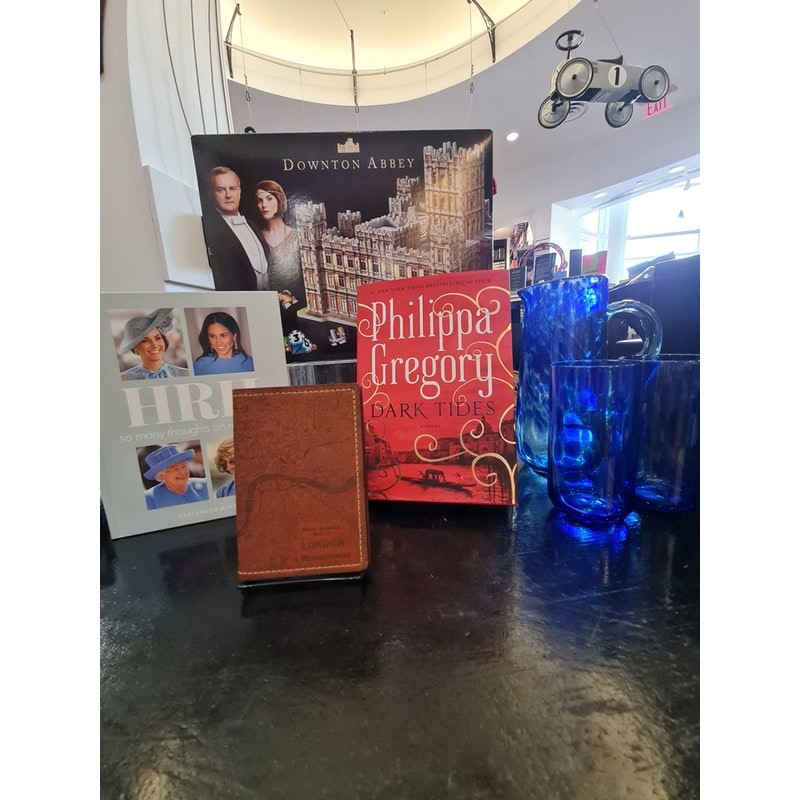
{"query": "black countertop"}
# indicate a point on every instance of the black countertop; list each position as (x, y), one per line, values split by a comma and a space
(490, 653)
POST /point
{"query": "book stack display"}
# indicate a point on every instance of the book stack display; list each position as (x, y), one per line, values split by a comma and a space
(430, 418)
(367, 356)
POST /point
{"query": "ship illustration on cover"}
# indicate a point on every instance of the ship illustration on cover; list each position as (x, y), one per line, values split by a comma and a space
(434, 362)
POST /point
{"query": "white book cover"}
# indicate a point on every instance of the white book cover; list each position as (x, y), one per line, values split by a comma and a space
(169, 364)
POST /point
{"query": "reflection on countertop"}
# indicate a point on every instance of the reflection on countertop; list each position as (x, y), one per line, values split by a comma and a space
(489, 653)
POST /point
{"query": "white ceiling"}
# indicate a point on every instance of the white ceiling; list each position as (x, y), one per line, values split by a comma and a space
(387, 33)
(566, 165)
(400, 50)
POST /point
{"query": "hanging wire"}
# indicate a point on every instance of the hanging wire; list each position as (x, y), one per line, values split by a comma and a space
(342, 15)
(471, 59)
(597, 8)
(353, 55)
(196, 70)
(469, 112)
(471, 72)
(211, 65)
(427, 115)
(244, 73)
(172, 67)
(355, 85)
(303, 99)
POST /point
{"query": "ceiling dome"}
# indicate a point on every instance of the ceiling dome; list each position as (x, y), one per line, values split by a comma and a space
(350, 51)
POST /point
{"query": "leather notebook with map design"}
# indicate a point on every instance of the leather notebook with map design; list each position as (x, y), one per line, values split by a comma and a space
(301, 504)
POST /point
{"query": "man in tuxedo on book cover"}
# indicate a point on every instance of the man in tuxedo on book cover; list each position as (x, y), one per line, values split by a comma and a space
(236, 252)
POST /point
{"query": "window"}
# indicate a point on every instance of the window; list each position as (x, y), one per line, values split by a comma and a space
(594, 231)
(657, 223)
(661, 222)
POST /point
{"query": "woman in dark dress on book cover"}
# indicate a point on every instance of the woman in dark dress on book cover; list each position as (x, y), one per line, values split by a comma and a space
(285, 274)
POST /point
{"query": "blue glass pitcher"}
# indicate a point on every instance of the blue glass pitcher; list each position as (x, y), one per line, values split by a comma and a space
(566, 320)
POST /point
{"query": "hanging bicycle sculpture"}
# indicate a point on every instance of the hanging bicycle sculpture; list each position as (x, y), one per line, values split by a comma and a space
(609, 81)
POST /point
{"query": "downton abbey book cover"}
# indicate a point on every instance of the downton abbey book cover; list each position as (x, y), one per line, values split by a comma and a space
(435, 369)
(169, 363)
(302, 504)
(314, 215)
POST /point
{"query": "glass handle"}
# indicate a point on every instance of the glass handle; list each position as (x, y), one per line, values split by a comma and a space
(652, 332)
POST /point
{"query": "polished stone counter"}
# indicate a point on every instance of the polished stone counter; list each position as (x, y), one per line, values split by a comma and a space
(490, 653)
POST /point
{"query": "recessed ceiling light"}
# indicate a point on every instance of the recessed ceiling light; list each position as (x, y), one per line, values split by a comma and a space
(673, 170)
(599, 195)
(512, 137)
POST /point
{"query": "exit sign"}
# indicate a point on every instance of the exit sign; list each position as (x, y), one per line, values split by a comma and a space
(654, 109)
(657, 108)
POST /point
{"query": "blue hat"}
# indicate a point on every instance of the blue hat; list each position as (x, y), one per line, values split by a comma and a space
(165, 457)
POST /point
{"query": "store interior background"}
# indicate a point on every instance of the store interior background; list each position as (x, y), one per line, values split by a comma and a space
(170, 81)
(744, 169)
(61, 125)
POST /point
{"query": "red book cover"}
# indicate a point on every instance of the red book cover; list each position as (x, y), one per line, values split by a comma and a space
(434, 363)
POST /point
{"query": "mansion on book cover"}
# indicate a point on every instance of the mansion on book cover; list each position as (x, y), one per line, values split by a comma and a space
(435, 225)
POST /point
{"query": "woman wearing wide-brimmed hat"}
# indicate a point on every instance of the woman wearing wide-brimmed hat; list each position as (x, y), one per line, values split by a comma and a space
(146, 337)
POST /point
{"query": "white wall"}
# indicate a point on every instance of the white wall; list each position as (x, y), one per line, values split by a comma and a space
(157, 90)
(564, 228)
(129, 255)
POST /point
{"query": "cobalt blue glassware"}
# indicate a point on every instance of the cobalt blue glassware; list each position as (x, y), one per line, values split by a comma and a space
(595, 428)
(668, 477)
(565, 320)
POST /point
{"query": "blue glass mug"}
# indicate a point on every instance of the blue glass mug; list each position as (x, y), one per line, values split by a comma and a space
(668, 476)
(596, 418)
(566, 320)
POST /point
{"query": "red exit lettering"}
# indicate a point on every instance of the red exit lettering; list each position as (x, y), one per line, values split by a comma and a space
(657, 108)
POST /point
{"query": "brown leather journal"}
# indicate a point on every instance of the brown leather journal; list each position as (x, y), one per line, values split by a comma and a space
(301, 506)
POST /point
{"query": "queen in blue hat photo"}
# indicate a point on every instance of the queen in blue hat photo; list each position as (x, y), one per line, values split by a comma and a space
(169, 466)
